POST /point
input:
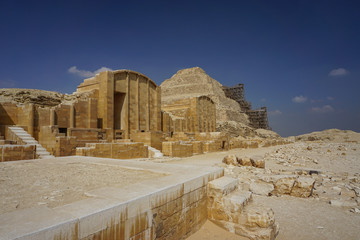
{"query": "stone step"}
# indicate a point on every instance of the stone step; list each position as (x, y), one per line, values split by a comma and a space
(223, 186)
(46, 156)
(29, 140)
(25, 137)
(156, 153)
(16, 128)
(239, 199)
(41, 149)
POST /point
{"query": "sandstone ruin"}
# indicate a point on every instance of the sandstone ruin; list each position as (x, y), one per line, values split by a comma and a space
(123, 114)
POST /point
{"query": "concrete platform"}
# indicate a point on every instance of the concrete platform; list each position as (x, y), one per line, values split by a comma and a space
(168, 204)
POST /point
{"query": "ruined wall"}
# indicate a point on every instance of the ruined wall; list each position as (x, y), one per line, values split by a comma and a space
(17, 152)
(195, 114)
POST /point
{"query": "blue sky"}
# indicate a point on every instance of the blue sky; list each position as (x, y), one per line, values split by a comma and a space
(301, 59)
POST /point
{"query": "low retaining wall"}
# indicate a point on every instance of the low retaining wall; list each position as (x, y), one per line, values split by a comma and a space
(123, 150)
(17, 152)
(172, 207)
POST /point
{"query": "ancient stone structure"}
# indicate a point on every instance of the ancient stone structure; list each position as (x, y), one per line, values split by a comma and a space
(195, 114)
(128, 102)
(258, 117)
(111, 106)
(194, 82)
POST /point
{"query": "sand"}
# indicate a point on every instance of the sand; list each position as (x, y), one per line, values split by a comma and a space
(30, 183)
(335, 154)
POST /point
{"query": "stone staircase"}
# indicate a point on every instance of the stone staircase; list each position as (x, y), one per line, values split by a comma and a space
(27, 139)
(231, 208)
(154, 153)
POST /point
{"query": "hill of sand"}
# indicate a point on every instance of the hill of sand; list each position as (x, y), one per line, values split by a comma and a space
(194, 82)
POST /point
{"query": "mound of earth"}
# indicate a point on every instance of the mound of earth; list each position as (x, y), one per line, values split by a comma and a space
(194, 82)
(38, 97)
(331, 135)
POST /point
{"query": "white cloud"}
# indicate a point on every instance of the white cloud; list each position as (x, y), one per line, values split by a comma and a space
(299, 99)
(323, 109)
(338, 72)
(86, 73)
(275, 113)
(7, 83)
(330, 98)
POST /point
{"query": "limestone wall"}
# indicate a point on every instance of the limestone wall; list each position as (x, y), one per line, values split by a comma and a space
(177, 149)
(17, 152)
(127, 101)
(196, 114)
(114, 150)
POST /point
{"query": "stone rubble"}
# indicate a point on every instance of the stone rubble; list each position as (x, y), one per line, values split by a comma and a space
(299, 170)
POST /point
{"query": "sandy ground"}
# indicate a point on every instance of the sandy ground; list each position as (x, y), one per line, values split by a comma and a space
(30, 183)
(338, 162)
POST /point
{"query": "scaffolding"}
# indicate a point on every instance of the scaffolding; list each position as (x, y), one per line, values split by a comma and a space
(258, 117)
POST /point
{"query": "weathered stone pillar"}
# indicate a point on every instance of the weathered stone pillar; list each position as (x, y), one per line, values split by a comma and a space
(137, 123)
(92, 106)
(147, 117)
(72, 116)
(31, 120)
(52, 117)
(127, 105)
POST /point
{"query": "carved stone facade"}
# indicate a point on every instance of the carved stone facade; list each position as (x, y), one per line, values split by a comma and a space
(196, 114)
(128, 102)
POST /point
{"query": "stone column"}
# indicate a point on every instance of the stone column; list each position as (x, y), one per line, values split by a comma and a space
(147, 117)
(31, 120)
(52, 117)
(92, 106)
(127, 105)
(137, 124)
(72, 116)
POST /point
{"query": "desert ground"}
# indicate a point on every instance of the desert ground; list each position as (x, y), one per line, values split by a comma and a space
(330, 158)
(331, 212)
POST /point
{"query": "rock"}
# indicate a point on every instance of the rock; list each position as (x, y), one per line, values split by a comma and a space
(258, 162)
(261, 188)
(303, 187)
(337, 190)
(355, 210)
(261, 217)
(245, 161)
(284, 185)
(342, 203)
(230, 159)
(357, 191)
(309, 148)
